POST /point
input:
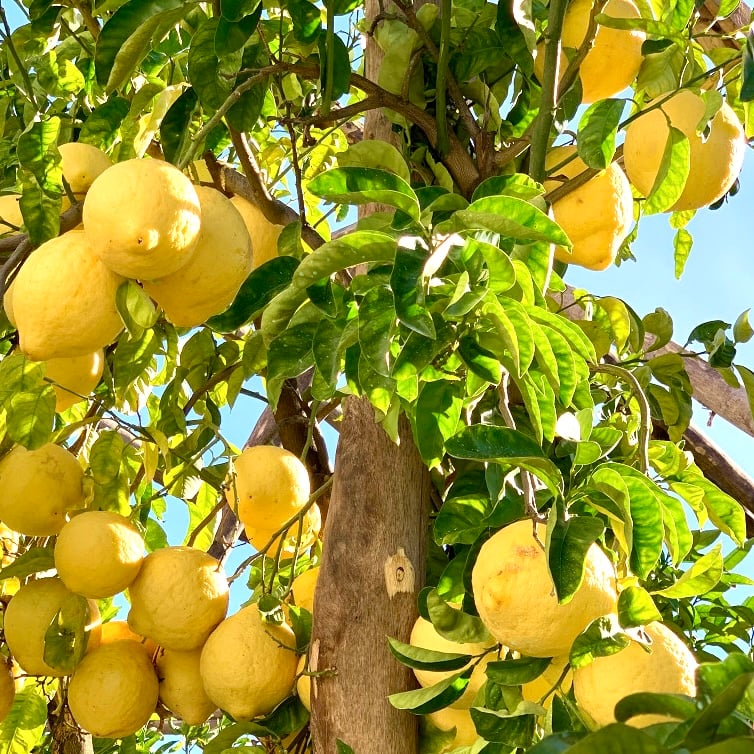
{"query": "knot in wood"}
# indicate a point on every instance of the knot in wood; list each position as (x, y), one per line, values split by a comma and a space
(399, 574)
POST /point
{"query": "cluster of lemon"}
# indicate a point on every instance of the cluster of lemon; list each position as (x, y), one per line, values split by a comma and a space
(177, 648)
(189, 246)
(516, 600)
(598, 215)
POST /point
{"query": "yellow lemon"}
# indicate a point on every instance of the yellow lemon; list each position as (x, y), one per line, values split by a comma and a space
(260, 537)
(596, 216)
(615, 58)
(38, 488)
(424, 635)
(248, 666)
(264, 234)
(64, 300)
(28, 616)
(515, 595)
(178, 597)
(269, 487)
(7, 689)
(302, 589)
(156, 228)
(460, 719)
(208, 283)
(715, 161)
(74, 377)
(106, 539)
(113, 691)
(11, 219)
(669, 669)
(81, 164)
(119, 630)
(181, 689)
(304, 684)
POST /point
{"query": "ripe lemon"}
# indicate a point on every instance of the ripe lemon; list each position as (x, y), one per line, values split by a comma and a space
(28, 616)
(74, 377)
(460, 719)
(181, 689)
(264, 234)
(669, 669)
(596, 216)
(208, 283)
(615, 58)
(106, 539)
(38, 487)
(304, 683)
(715, 161)
(516, 599)
(248, 666)
(269, 487)
(178, 597)
(64, 300)
(81, 164)
(113, 691)
(302, 589)
(260, 537)
(155, 226)
(11, 218)
(424, 635)
(119, 630)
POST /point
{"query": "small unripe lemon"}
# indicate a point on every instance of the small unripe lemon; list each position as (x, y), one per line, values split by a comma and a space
(107, 540)
(181, 688)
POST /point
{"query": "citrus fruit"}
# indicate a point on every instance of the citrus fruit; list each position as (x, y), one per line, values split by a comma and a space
(248, 666)
(260, 537)
(119, 630)
(7, 689)
(106, 539)
(8, 304)
(536, 689)
(614, 60)
(157, 226)
(74, 377)
(269, 487)
(596, 216)
(113, 691)
(28, 616)
(181, 689)
(669, 669)
(448, 718)
(715, 161)
(81, 164)
(424, 635)
(302, 589)
(64, 300)
(304, 683)
(208, 283)
(264, 234)
(11, 218)
(515, 595)
(178, 597)
(38, 487)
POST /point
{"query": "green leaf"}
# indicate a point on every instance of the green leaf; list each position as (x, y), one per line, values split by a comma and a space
(455, 625)
(262, 285)
(224, 740)
(353, 185)
(233, 34)
(432, 698)
(667, 705)
(372, 153)
(37, 152)
(502, 273)
(598, 127)
(660, 324)
(34, 560)
(377, 323)
(636, 607)
(406, 280)
(289, 355)
(724, 511)
(128, 34)
(479, 360)
(747, 86)
(513, 729)
(427, 659)
(702, 577)
(517, 671)
(747, 378)
(603, 637)
(107, 467)
(135, 308)
(30, 415)
(342, 748)
(23, 729)
(570, 331)
(438, 411)
(617, 739)
(567, 545)
(66, 637)
(103, 124)
(742, 329)
(41, 212)
(306, 20)
(175, 128)
(672, 174)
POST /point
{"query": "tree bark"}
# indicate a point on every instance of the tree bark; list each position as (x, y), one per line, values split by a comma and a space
(67, 737)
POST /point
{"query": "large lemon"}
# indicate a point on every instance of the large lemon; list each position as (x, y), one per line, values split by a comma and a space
(596, 216)
(119, 630)
(208, 283)
(615, 57)
(424, 635)
(113, 691)
(64, 300)
(181, 688)
(179, 596)
(260, 537)
(515, 595)
(11, 218)
(248, 666)
(460, 719)
(81, 164)
(38, 488)
(264, 234)
(106, 539)
(669, 669)
(716, 158)
(269, 487)
(142, 218)
(74, 377)
(28, 616)
(302, 589)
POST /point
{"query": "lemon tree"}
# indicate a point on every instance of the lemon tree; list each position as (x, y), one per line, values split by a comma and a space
(234, 235)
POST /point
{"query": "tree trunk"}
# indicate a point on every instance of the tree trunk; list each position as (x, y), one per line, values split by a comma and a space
(372, 568)
(67, 737)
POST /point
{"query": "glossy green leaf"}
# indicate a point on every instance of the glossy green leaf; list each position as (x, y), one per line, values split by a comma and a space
(232, 34)
(747, 378)
(747, 85)
(567, 545)
(406, 280)
(455, 625)
(724, 511)
(672, 174)
(742, 329)
(438, 411)
(427, 659)
(33, 560)
(479, 360)
(377, 323)
(598, 128)
(23, 729)
(672, 706)
(682, 243)
(40, 211)
(30, 415)
(354, 185)
(135, 307)
(510, 728)
(66, 637)
(103, 124)
(617, 739)
(636, 607)
(701, 577)
(289, 355)
(570, 331)
(514, 672)
(37, 152)
(373, 153)
(107, 467)
(603, 637)
(343, 748)
(432, 698)
(212, 73)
